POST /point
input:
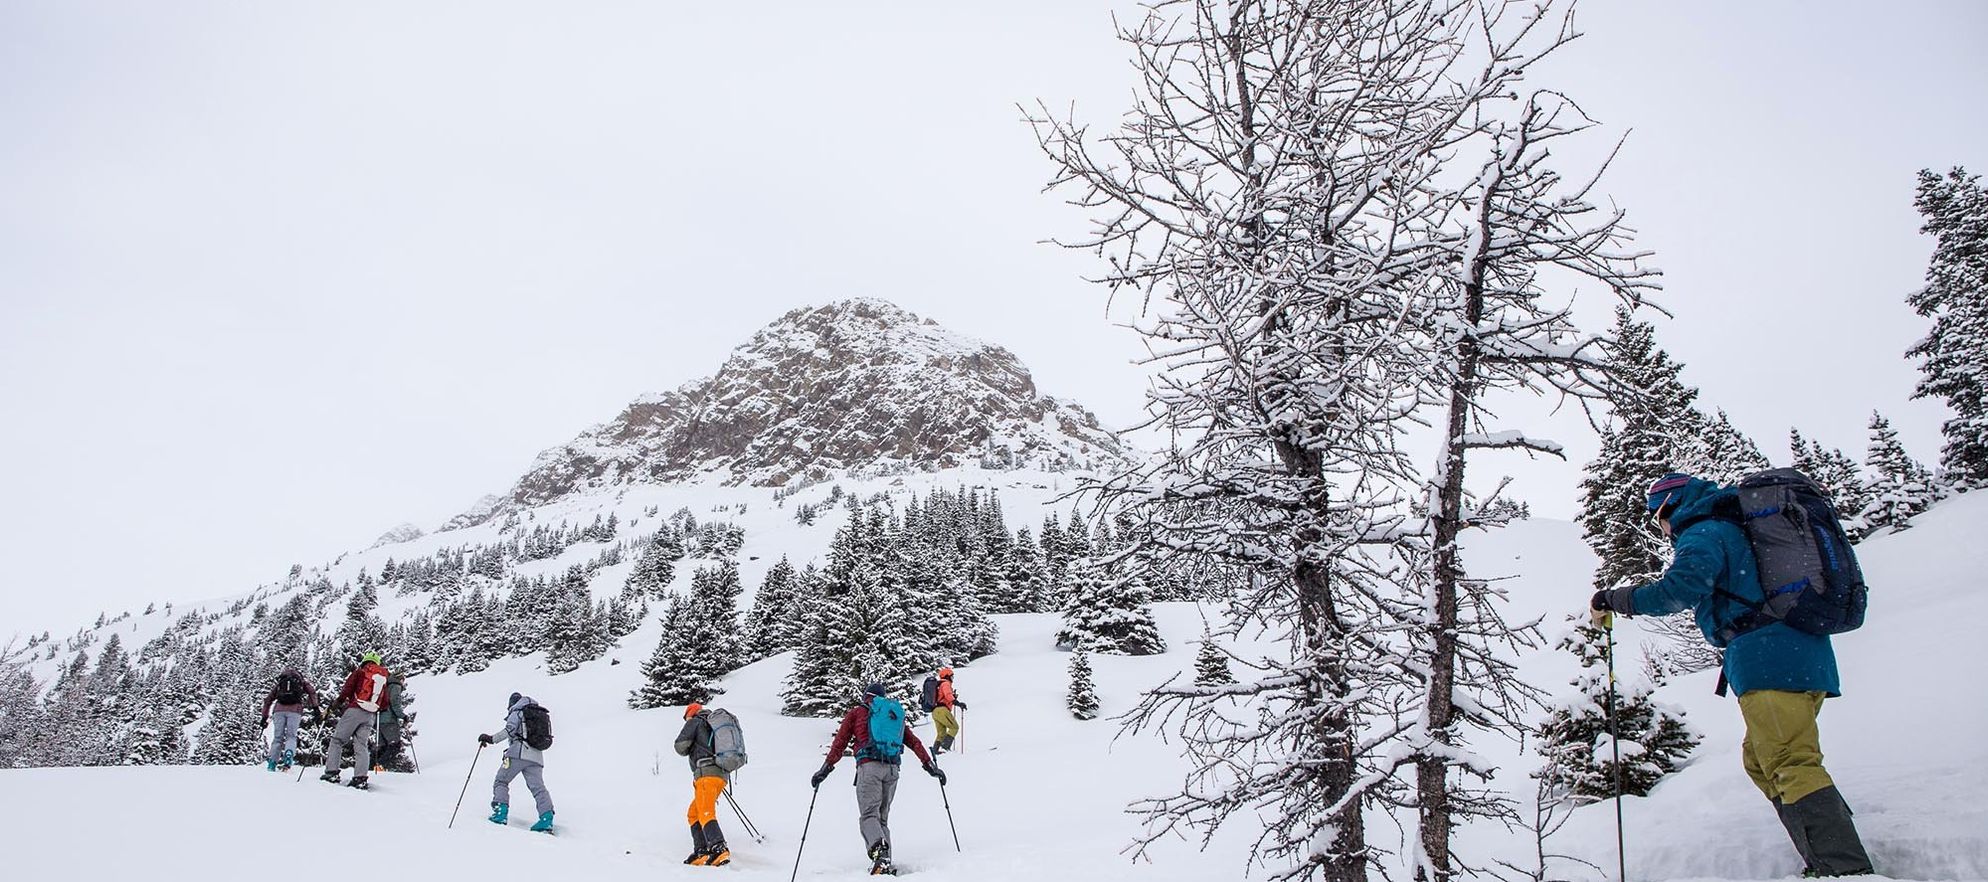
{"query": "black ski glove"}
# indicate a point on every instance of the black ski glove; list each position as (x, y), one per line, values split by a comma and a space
(485, 739)
(1620, 600)
(821, 775)
(934, 770)
(959, 704)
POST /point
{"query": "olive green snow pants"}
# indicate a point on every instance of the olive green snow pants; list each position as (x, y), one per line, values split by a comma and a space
(1783, 747)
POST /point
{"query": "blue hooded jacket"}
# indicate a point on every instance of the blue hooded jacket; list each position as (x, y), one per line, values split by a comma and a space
(1713, 553)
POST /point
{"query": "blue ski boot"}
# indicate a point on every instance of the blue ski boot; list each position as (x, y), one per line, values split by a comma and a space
(270, 765)
(544, 824)
(500, 813)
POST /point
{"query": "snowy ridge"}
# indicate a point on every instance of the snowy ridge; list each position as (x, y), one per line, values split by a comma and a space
(860, 386)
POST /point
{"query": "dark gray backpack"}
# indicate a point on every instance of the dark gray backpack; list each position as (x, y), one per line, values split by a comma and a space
(1808, 572)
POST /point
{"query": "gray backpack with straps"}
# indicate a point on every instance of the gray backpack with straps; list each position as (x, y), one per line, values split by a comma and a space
(727, 740)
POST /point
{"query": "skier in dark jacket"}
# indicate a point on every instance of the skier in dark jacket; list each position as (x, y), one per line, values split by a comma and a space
(1781, 674)
(393, 714)
(708, 780)
(520, 758)
(285, 704)
(876, 775)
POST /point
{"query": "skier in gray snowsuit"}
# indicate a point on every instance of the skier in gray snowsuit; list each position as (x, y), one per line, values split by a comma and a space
(519, 759)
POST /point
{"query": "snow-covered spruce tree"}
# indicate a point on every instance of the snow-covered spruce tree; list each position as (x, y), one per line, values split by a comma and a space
(232, 733)
(1271, 198)
(1498, 330)
(1651, 416)
(1897, 486)
(858, 632)
(1654, 429)
(1083, 695)
(1107, 611)
(1833, 471)
(655, 566)
(672, 676)
(1211, 663)
(1723, 453)
(19, 716)
(1579, 758)
(700, 642)
(569, 636)
(361, 632)
(770, 622)
(1954, 353)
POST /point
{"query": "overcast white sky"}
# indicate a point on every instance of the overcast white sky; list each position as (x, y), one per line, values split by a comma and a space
(277, 277)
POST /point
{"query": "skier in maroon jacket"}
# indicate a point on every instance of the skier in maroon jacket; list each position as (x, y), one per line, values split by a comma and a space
(876, 768)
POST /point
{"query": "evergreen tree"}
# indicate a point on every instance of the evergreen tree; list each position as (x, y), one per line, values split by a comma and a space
(233, 733)
(570, 638)
(1083, 696)
(361, 632)
(1580, 763)
(1107, 612)
(1211, 664)
(769, 623)
(700, 642)
(1649, 430)
(1954, 353)
(1897, 486)
(672, 676)
(1726, 454)
(1837, 474)
(655, 566)
(20, 714)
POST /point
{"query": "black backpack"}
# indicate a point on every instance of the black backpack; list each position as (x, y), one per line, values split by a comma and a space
(289, 689)
(538, 727)
(1808, 572)
(929, 698)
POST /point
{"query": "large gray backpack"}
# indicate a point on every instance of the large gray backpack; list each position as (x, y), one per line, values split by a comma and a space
(1807, 569)
(728, 742)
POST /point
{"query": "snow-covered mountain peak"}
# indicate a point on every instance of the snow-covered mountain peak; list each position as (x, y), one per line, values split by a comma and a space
(397, 535)
(856, 386)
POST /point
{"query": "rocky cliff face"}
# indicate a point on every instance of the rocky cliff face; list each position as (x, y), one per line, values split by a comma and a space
(859, 385)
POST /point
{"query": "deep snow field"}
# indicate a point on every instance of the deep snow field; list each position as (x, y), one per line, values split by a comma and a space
(1036, 794)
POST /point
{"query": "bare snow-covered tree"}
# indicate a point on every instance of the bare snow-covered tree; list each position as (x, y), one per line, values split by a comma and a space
(1274, 200)
(1498, 329)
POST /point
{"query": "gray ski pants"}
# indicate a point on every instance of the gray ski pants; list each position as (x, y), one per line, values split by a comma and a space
(283, 735)
(500, 790)
(876, 786)
(355, 727)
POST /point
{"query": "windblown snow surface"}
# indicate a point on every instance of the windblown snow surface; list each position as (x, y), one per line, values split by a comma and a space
(1035, 794)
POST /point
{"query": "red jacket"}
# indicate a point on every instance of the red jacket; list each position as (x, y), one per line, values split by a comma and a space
(348, 696)
(856, 730)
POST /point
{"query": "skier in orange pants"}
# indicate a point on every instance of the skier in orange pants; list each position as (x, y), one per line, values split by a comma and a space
(695, 742)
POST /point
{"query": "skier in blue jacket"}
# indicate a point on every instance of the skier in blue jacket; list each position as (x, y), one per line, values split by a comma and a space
(1780, 674)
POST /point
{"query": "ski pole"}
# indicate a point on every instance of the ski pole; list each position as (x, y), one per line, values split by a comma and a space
(804, 835)
(465, 785)
(411, 753)
(751, 829)
(949, 816)
(1615, 747)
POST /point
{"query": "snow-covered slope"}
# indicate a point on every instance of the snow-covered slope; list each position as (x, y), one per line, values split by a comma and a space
(1035, 794)
(1039, 795)
(1907, 743)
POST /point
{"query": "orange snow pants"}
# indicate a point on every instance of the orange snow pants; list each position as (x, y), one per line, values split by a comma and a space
(704, 806)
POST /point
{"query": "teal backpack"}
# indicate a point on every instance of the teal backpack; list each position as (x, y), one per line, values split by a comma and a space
(886, 730)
